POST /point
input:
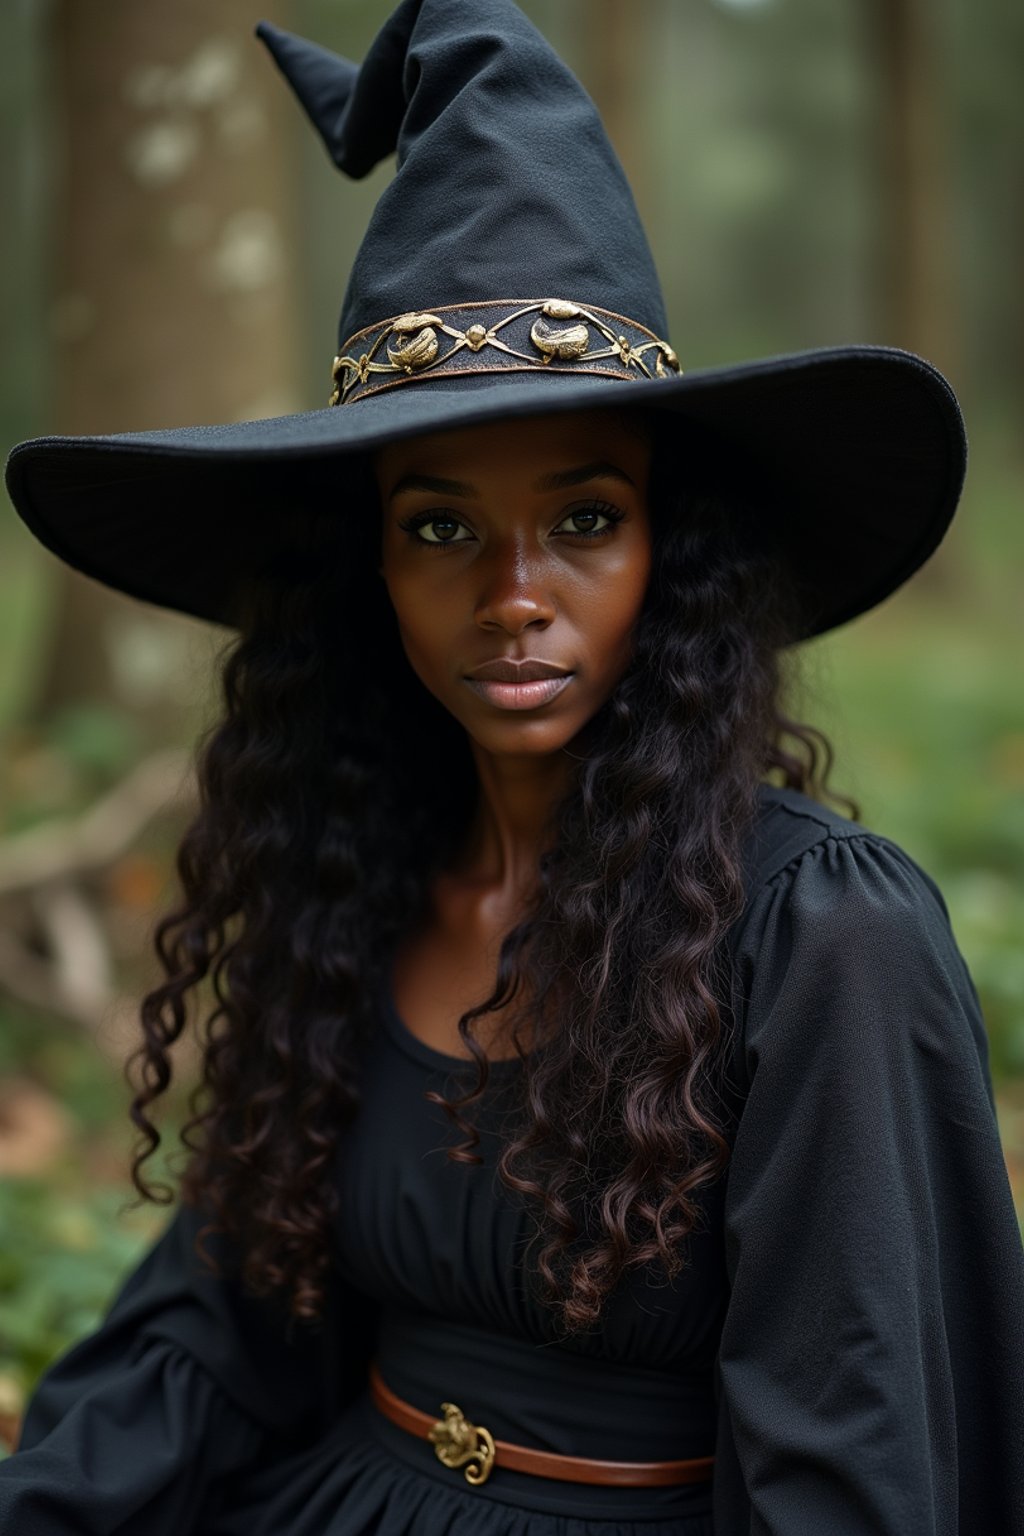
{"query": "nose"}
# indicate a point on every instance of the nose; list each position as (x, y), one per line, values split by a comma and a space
(515, 591)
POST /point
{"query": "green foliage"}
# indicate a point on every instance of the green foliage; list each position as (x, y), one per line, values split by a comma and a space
(932, 746)
(64, 1253)
(60, 767)
(923, 701)
(97, 738)
(62, 1059)
(70, 1233)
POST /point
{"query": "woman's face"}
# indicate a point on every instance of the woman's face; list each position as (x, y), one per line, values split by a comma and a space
(518, 542)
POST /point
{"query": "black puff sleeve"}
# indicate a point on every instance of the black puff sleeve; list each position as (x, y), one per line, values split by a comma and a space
(871, 1370)
(187, 1381)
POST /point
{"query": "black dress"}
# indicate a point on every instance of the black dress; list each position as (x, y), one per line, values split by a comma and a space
(846, 1339)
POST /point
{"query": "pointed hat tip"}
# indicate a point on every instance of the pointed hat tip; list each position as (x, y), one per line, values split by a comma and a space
(266, 32)
(323, 83)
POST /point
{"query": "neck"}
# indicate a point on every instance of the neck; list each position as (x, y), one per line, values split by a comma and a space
(512, 825)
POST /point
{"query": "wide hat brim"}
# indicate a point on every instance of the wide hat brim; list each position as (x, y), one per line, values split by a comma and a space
(861, 452)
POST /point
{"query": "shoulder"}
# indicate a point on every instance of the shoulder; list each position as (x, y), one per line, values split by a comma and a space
(786, 826)
(845, 940)
(799, 847)
(840, 905)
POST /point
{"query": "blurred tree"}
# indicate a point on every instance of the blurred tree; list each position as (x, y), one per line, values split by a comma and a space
(986, 42)
(172, 302)
(615, 41)
(915, 290)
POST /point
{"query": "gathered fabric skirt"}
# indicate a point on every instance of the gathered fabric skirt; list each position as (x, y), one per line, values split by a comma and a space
(370, 1478)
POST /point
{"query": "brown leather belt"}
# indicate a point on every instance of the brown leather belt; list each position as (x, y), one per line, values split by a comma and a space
(458, 1443)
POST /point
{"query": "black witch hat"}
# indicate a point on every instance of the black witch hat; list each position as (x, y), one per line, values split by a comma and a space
(504, 273)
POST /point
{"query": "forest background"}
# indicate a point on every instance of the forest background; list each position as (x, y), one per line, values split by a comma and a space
(175, 246)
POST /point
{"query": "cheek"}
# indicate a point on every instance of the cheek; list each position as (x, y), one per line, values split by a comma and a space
(409, 598)
(424, 622)
(616, 608)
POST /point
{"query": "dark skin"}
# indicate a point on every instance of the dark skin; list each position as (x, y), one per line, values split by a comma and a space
(502, 561)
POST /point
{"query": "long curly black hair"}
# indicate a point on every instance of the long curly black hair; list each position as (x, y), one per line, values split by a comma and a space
(330, 798)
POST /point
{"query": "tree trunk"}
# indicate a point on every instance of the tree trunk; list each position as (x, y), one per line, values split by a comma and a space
(614, 37)
(916, 233)
(172, 301)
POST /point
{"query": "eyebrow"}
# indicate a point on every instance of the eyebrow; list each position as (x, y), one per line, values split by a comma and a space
(559, 480)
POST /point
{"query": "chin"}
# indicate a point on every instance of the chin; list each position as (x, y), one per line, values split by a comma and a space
(523, 738)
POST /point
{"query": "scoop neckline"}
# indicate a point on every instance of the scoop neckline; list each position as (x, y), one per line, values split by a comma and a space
(429, 1055)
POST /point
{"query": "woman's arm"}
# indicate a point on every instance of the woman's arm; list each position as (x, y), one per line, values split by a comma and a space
(187, 1380)
(872, 1358)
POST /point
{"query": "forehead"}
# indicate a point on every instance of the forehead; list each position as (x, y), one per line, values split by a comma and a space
(556, 439)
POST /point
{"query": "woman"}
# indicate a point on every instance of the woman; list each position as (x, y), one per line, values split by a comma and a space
(595, 1137)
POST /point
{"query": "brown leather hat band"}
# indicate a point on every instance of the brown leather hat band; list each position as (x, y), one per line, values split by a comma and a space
(459, 1443)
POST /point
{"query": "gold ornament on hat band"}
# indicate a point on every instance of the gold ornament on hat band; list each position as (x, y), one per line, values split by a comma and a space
(546, 335)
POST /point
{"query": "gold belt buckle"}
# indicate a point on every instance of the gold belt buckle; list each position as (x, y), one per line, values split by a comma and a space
(458, 1443)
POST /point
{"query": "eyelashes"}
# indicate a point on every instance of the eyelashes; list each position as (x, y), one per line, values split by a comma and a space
(612, 516)
(412, 525)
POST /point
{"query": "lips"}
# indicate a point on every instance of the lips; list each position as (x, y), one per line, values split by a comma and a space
(519, 684)
(504, 670)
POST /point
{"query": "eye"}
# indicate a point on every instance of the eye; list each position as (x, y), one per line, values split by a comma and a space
(588, 515)
(444, 525)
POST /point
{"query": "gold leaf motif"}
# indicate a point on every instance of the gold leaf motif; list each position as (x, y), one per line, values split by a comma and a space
(458, 1443)
(561, 331)
(417, 353)
(569, 343)
(560, 309)
(414, 322)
